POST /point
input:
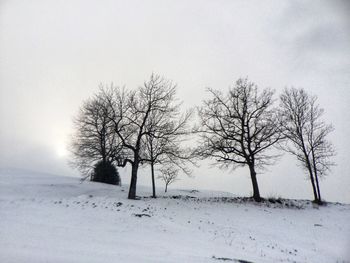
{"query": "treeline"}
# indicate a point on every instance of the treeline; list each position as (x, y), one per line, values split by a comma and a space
(240, 127)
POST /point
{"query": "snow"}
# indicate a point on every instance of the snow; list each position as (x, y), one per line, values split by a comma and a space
(49, 218)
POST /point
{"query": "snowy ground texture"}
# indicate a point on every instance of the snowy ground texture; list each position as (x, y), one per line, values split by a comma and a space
(46, 218)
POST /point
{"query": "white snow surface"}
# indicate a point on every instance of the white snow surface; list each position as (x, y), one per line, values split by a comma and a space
(49, 218)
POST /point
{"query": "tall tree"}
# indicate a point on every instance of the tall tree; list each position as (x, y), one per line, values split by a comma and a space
(237, 128)
(94, 140)
(167, 129)
(307, 135)
(132, 111)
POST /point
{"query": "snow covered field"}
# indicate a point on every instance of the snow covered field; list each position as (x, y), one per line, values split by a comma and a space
(47, 218)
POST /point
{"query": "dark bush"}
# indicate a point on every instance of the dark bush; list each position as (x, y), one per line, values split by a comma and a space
(105, 172)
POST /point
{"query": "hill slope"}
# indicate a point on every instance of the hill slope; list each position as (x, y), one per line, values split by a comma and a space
(47, 218)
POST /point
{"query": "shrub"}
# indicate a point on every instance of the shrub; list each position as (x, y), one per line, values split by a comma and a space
(105, 172)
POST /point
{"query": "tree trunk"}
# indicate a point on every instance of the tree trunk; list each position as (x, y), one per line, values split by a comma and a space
(132, 189)
(318, 190)
(313, 186)
(153, 181)
(319, 201)
(256, 194)
(308, 165)
(312, 179)
(166, 187)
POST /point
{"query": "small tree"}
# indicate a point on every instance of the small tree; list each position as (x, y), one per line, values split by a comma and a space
(169, 174)
(238, 128)
(307, 135)
(105, 172)
(94, 140)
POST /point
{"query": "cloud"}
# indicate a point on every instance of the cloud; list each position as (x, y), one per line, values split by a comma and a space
(54, 54)
(314, 34)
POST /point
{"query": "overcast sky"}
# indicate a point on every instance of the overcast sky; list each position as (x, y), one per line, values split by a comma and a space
(53, 55)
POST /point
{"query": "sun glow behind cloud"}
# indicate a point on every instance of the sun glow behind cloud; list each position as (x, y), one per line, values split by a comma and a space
(61, 149)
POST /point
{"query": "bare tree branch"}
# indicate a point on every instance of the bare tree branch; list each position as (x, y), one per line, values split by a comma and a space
(94, 139)
(306, 133)
(237, 128)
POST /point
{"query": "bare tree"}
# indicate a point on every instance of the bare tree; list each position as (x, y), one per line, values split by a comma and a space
(94, 139)
(169, 174)
(166, 132)
(238, 128)
(131, 112)
(307, 135)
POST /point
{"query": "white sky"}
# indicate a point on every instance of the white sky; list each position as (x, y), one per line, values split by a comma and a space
(53, 54)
